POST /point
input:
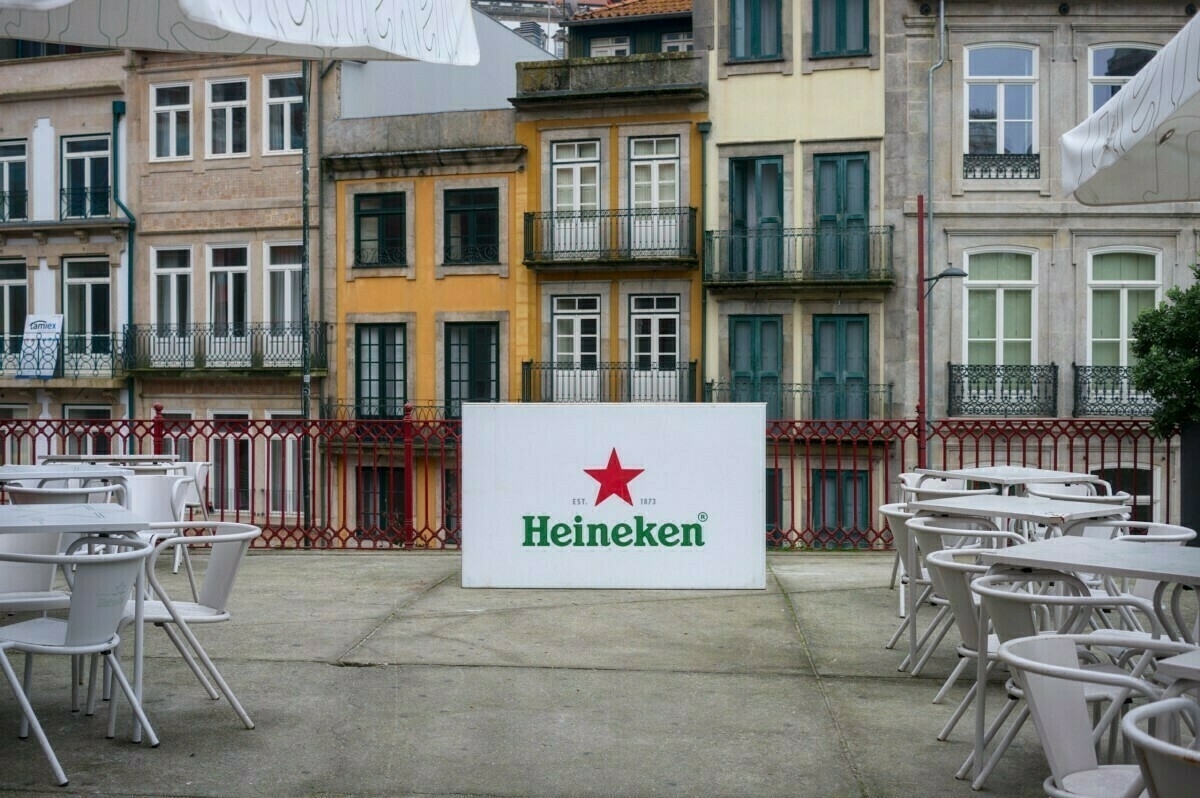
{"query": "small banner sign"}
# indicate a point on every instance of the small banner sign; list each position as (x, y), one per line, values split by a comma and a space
(40, 345)
(614, 496)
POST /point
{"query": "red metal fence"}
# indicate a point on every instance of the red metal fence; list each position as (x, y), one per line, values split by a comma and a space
(388, 484)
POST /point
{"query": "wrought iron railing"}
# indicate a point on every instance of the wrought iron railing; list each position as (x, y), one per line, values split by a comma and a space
(381, 409)
(1003, 390)
(808, 401)
(626, 234)
(84, 203)
(259, 345)
(1109, 391)
(458, 254)
(375, 257)
(14, 206)
(74, 356)
(1003, 166)
(608, 382)
(798, 255)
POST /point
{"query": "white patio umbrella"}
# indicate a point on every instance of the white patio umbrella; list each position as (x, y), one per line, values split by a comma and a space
(439, 31)
(1142, 145)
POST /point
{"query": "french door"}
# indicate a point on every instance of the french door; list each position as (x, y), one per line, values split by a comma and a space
(756, 217)
(654, 349)
(840, 367)
(577, 349)
(655, 224)
(576, 170)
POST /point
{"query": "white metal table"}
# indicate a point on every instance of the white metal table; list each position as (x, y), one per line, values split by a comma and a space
(41, 473)
(1007, 477)
(92, 519)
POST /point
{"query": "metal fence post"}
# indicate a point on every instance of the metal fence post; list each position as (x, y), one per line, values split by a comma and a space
(157, 428)
(410, 476)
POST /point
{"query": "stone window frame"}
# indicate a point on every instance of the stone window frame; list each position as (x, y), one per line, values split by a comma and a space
(680, 130)
(597, 133)
(869, 60)
(267, 102)
(154, 109)
(549, 290)
(627, 289)
(874, 150)
(352, 189)
(208, 108)
(727, 66)
(785, 309)
(352, 320)
(784, 149)
(498, 317)
(441, 269)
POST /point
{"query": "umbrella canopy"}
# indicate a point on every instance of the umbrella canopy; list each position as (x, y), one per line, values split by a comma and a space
(420, 30)
(1142, 145)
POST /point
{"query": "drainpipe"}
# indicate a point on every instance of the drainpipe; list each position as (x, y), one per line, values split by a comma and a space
(929, 265)
(704, 128)
(118, 111)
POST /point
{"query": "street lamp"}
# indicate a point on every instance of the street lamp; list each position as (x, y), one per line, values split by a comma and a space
(925, 336)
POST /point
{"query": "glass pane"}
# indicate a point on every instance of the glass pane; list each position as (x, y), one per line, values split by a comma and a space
(1000, 62)
(285, 87)
(239, 129)
(183, 131)
(228, 92)
(1018, 315)
(1139, 301)
(1106, 353)
(1102, 93)
(1120, 61)
(1018, 103)
(768, 27)
(1106, 314)
(275, 135)
(1124, 266)
(1018, 138)
(856, 28)
(982, 353)
(990, 266)
(296, 110)
(981, 315)
(162, 134)
(1018, 353)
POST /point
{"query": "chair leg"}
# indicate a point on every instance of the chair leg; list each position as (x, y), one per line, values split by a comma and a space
(1005, 742)
(202, 655)
(191, 662)
(946, 621)
(950, 680)
(91, 693)
(944, 734)
(31, 719)
(895, 570)
(126, 688)
(27, 689)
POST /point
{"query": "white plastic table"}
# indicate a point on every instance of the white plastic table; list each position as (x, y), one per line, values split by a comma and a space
(1007, 477)
(93, 519)
(26, 473)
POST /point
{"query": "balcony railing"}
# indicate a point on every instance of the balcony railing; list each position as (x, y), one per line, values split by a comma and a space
(84, 203)
(75, 356)
(608, 382)
(1002, 167)
(14, 206)
(781, 255)
(613, 235)
(788, 401)
(266, 345)
(380, 409)
(1109, 391)
(1003, 390)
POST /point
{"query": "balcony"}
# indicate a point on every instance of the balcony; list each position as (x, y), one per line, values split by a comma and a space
(650, 238)
(1002, 167)
(1003, 390)
(84, 203)
(790, 257)
(14, 206)
(248, 347)
(648, 78)
(380, 410)
(791, 401)
(1109, 391)
(607, 382)
(76, 356)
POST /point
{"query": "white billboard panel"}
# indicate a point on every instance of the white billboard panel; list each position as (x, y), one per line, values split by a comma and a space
(614, 495)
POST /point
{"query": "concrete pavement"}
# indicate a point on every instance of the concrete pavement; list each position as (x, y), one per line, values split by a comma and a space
(378, 675)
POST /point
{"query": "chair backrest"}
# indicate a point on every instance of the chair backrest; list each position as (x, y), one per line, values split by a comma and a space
(1148, 532)
(1169, 770)
(897, 515)
(93, 494)
(1061, 489)
(1020, 605)
(227, 545)
(925, 493)
(197, 471)
(935, 532)
(951, 571)
(158, 497)
(27, 577)
(1057, 705)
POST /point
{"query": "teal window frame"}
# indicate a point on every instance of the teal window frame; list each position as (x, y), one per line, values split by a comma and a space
(748, 15)
(381, 370)
(474, 347)
(757, 383)
(390, 249)
(381, 498)
(841, 11)
(838, 372)
(851, 512)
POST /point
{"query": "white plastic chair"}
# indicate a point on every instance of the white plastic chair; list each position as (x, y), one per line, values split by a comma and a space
(197, 472)
(101, 583)
(227, 545)
(29, 586)
(1169, 770)
(1049, 672)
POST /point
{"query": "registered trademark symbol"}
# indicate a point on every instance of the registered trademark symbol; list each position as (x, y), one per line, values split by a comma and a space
(702, 517)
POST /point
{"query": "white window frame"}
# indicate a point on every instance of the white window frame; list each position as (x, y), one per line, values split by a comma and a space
(1095, 80)
(282, 466)
(6, 173)
(173, 122)
(175, 274)
(1000, 82)
(229, 107)
(15, 449)
(11, 338)
(1000, 286)
(286, 103)
(608, 46)
(681, 42)
(85, 349)
(292, 282)
(1123, 286)
(77, 443)
(87, 156)
(227, 450)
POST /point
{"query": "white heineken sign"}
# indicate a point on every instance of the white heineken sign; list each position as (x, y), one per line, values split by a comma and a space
(614, 495)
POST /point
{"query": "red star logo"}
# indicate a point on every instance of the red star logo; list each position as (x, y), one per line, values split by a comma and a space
(614, 480)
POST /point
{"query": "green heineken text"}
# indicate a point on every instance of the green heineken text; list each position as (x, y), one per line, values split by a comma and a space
(539, 531)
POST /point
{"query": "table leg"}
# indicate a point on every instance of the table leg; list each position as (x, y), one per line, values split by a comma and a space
(913, 567)
(981, 680)
(139, 614)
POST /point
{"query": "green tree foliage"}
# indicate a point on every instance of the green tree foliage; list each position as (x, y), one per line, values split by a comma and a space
(1167, 347)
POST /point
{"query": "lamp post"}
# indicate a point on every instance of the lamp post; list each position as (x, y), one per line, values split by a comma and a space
(925, 335)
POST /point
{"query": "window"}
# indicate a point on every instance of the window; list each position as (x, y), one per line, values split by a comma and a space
(172, 119)
(14, 191)
(379, 229)
(172, 292)
(283, 465)
(840, 28)
(1122, 285)
(1112, 66)
(756, 362)
(755, 30)
(840, 389)
(472, 226)
(576, 175)
(15, 448)
(284, 302)
(1000, 129)
(381, 501)
(229, 483)
(85, 177)
(88, 438)
(608, 45)
(381, 366)
(14, 305)
(755, 216)
(88, 314)
(284, 126)
(227, 122)
(472, 365)
(774, 513)
(1000, 306)
(1139, 483)
(677, 42)
(654, 340)
(842, 209)
(177, 427)
(655, 226)
(839, 502)
(228, 307)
